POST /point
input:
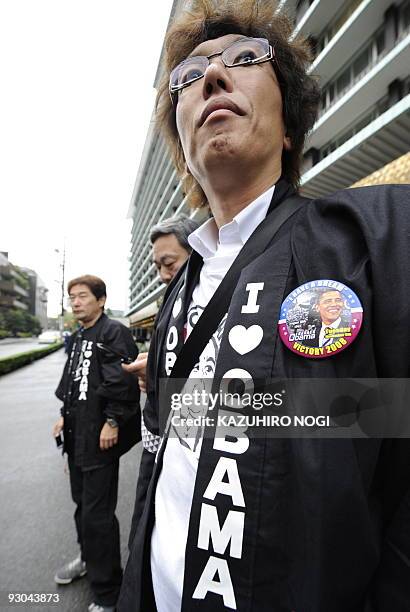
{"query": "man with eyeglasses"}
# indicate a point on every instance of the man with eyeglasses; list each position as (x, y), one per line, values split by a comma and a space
(238, 518)
(100, 421)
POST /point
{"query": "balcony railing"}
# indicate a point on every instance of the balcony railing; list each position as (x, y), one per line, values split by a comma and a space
(353, 80)
(376, 50)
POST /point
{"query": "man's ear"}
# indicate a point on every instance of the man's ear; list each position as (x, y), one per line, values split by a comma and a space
(287, 145)
(102, 300)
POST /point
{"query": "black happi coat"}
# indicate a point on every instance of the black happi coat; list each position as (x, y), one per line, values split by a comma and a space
(327, 521)
(111, 392)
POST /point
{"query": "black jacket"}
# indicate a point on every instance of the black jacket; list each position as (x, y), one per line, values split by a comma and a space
(327, 525)
(108, 391)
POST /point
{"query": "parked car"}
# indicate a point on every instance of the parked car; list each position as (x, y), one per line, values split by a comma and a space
(49, 337)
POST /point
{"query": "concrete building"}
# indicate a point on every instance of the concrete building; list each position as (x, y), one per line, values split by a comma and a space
(37, 299)
(14, 288)
(362, 59)
(22, 289)
(362, 50)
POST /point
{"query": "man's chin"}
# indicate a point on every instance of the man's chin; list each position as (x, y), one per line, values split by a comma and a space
(220, 149)
(220, 143)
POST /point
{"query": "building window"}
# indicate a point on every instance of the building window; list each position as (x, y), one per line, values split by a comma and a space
(357, 67)
(405, 16)
(343, 81)
(361, 63)
(332, 28)
(380, 43)
(301, 7)
(379, 108)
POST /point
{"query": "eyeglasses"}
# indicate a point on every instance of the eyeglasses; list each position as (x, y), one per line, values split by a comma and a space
(243, 52)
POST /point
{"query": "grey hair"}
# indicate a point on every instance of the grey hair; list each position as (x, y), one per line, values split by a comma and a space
(180, 225)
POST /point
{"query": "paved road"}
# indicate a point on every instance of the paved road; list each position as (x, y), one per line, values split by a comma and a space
(12, 346)
(37, 529)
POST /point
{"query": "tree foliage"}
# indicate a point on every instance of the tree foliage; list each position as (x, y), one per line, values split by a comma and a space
(15, 321)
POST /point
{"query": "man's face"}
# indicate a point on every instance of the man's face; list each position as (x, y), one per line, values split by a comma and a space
(85, 305)
(330, 306)
(255, 134)
(168, 256)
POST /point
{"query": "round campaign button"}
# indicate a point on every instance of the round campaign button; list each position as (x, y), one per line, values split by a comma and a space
(320, 319)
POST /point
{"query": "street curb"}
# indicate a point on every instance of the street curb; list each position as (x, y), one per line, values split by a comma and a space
(14, 362)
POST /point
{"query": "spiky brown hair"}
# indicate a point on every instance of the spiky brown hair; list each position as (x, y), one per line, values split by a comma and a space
(210, 19)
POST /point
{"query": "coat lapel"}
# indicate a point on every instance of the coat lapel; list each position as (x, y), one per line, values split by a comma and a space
(225, 511)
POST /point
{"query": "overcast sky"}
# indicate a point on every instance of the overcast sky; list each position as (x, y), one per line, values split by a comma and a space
(77, 96)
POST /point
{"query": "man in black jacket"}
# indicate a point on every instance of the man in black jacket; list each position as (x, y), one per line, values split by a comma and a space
(170, 250)
(170, 246)
(232, 519)
(100, 420)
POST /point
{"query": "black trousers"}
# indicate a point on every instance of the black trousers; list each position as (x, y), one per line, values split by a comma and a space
(95, 494)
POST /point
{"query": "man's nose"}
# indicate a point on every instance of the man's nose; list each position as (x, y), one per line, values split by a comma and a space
(217, 77)
(165, 276)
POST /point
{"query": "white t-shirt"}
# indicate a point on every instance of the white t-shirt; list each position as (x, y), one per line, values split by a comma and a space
(176, 483)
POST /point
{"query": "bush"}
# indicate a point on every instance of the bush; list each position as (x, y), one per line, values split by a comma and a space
(8, 364)
(24, 335)
(4, 334)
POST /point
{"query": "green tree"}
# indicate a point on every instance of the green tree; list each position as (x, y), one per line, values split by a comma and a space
(22, 278)
(14, 321)
(70, 324)
(3, 332)
(31, 324)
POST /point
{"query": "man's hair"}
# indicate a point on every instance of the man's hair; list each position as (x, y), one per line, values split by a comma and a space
(95, 284)
(210, 19)
(181, 226)
(321, 293)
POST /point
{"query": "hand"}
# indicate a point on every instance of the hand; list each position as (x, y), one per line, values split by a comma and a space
(108, 437)
(139, 368)
(58, 427)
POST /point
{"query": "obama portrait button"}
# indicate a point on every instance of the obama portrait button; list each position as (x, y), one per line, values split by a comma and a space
(320, 319)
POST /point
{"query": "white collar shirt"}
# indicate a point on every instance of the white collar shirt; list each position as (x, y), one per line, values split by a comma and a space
(176, 483)
(220, 248)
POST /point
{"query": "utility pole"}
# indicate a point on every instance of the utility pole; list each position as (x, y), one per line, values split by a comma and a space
(62, 266)
(62, 290)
